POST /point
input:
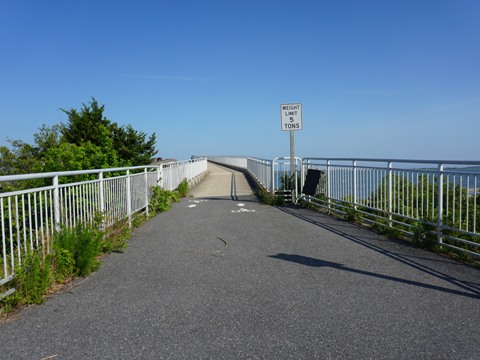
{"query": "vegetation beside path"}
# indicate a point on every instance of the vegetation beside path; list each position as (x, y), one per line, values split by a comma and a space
(77, 252)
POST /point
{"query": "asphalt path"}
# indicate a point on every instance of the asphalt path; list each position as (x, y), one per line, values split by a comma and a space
(223, 278)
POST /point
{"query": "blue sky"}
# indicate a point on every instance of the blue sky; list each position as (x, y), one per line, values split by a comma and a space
(379, 79)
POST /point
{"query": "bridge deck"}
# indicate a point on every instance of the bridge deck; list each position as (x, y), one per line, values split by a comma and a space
(234, 279)
(222, 182)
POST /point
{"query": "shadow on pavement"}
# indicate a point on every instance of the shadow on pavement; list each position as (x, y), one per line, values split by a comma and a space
(472, 289)
(308, 261)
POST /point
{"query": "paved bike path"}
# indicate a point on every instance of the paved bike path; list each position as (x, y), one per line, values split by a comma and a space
(222, 182)
(229, 279)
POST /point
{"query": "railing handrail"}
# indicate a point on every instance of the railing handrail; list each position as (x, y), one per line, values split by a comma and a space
(43, 175)
(411, 161)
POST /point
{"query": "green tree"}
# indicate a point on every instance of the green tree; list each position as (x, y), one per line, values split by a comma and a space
(90, 125)
(131, 145)
(7, 161)
(22, 158)
(66, 157)
(87, 125)
(87, 141)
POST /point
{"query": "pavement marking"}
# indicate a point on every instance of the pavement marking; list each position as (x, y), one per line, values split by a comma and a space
(242, 210)
(240, 204)
(196, 202)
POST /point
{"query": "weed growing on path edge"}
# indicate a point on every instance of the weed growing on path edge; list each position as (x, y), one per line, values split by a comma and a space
(269, 198)
(183, 188)
(33, 276)
(162, 199)
(76, 253)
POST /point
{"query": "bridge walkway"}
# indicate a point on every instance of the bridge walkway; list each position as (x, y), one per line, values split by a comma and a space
(223, 278)
(222, 182)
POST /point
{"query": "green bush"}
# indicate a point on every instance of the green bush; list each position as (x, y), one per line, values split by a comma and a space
(424, 235)
(183, 188)
(87, 250)
(162, 199)
(76, 251)
(32, 279)
(351, 214)
(270, 198)
(65, 264)
(392, 232)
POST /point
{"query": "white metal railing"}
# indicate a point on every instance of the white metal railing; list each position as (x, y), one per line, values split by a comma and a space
(441, 196)
(283, 179)
(173, 173)
(235, 161)
(29, 217)
(260, 169)
(273, 175)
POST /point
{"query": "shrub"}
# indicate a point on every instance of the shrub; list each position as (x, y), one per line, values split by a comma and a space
(183, 188)
(423, 235)
(270, 198)
(351, 214)
(32, 279)
(392, 232)
(87, 250)
(162, 199)
(76, 250)
(65, 264)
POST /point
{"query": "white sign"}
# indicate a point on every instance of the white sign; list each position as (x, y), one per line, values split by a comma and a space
(291, 117)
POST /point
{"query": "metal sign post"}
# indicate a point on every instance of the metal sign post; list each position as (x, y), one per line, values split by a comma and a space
(291, 120)
(293, 167)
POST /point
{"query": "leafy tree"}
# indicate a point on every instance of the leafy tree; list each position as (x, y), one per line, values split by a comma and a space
(47, 138)
(22, 158)
(66, 156)
(132, 146)
(87, 141)
(88, 125)
(7, 161)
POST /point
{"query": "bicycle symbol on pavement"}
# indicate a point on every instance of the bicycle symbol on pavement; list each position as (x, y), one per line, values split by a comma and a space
(242, 209)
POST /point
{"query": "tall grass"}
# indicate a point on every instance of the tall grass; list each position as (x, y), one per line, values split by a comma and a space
(76, 250)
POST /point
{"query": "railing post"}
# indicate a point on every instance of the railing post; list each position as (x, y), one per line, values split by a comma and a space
(146, 192)
(390, 195)
(354, 184)
(129, 199)
(440, 203)
(56, 203)
(302, 174)
(160, 176)
(101, 199)
(329, 202)
(272, 182)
